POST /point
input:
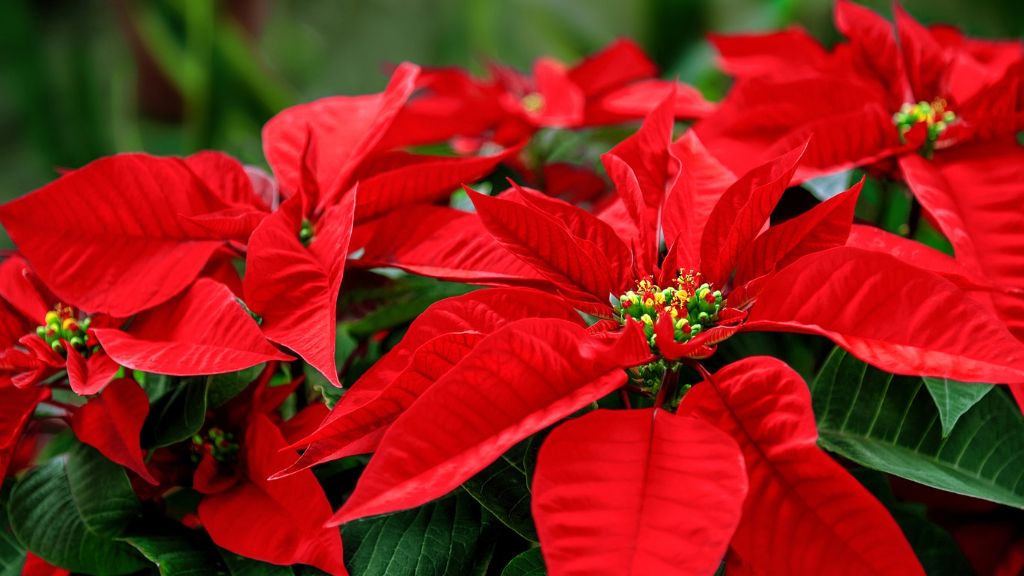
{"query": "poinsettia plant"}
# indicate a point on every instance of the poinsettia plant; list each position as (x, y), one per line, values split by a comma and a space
(424, 344)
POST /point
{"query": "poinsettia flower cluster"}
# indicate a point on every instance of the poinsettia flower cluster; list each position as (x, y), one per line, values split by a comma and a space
(142, 283)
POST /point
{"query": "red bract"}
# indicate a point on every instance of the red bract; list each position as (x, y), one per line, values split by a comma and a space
(805, 513)
(615, 85)
(656, 493)
(715, 226)
(321, 152)
(18, 405)
(112, 421)
(280, 521)
(887, 91)
(891, 92)
(129, 232)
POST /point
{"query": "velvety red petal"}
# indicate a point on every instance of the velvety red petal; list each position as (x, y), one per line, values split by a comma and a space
(890, 314)
(118, 238)
(112, 422)
(346, 130)
(574, 265)
(637, 492)
(825, 226)
(203, 331)
(279, 521)
(520, 379)
(360, 430)
(741, 213)
(804, 514)
(448, 244)
(89, 376)
(295, 287)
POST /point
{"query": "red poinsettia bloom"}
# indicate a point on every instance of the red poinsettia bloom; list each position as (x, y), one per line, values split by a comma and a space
(946, 108)
(339, 162)
(280, 521)
(617, 84)
(788, 277)
(890, 90)
(499, 365)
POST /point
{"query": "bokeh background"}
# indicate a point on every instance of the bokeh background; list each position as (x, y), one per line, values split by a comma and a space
(81, 79)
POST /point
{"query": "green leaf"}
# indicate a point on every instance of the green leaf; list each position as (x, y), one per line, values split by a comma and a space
(503, 488)
(224, 387)
(179, 554)
(12, 554)
(176, 414)
(101, 491)
(241, 566)
(529, 563)
(953, 398)
(49, 519)
(938, 552)
(439, 538)
(396, 303)
(890, 423)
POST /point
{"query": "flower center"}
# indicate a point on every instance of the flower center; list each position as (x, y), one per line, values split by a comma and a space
(220, 443)
(933, 115)
(306, 232)
(532, 102)
(62, 329)
(692, 304)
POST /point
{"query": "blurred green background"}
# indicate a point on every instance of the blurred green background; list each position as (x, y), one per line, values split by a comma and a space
(81, 79)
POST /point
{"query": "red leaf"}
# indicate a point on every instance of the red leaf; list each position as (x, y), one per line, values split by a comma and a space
(843, 122)
(637, 492)
(346, 130)
(640, 224)
(647, 153)
(563, 101)
(518, 380)
(117, 235)
(203, 331)
(974, 194)
(227, 178)
(36, 566)
(741, 213)
(639, 99)
(804, 513)
(447, 244)
(112, 422)
(427, 179)
(280, 521)
(18, 291)
(890, 314)
(360, 430)
(907, 250)
(619, 63)
(295, 287)
(18, 406)
(825, 226)
(88, 376)
(786, 53)
(575, 265)
(700, 184)
(924, 59)
(483, 312)
(583, 226)
(873, 48)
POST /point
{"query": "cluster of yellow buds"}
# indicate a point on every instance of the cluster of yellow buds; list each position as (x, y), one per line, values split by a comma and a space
(63, 329)
(220, 443)
(933, 114)
(692, 304)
